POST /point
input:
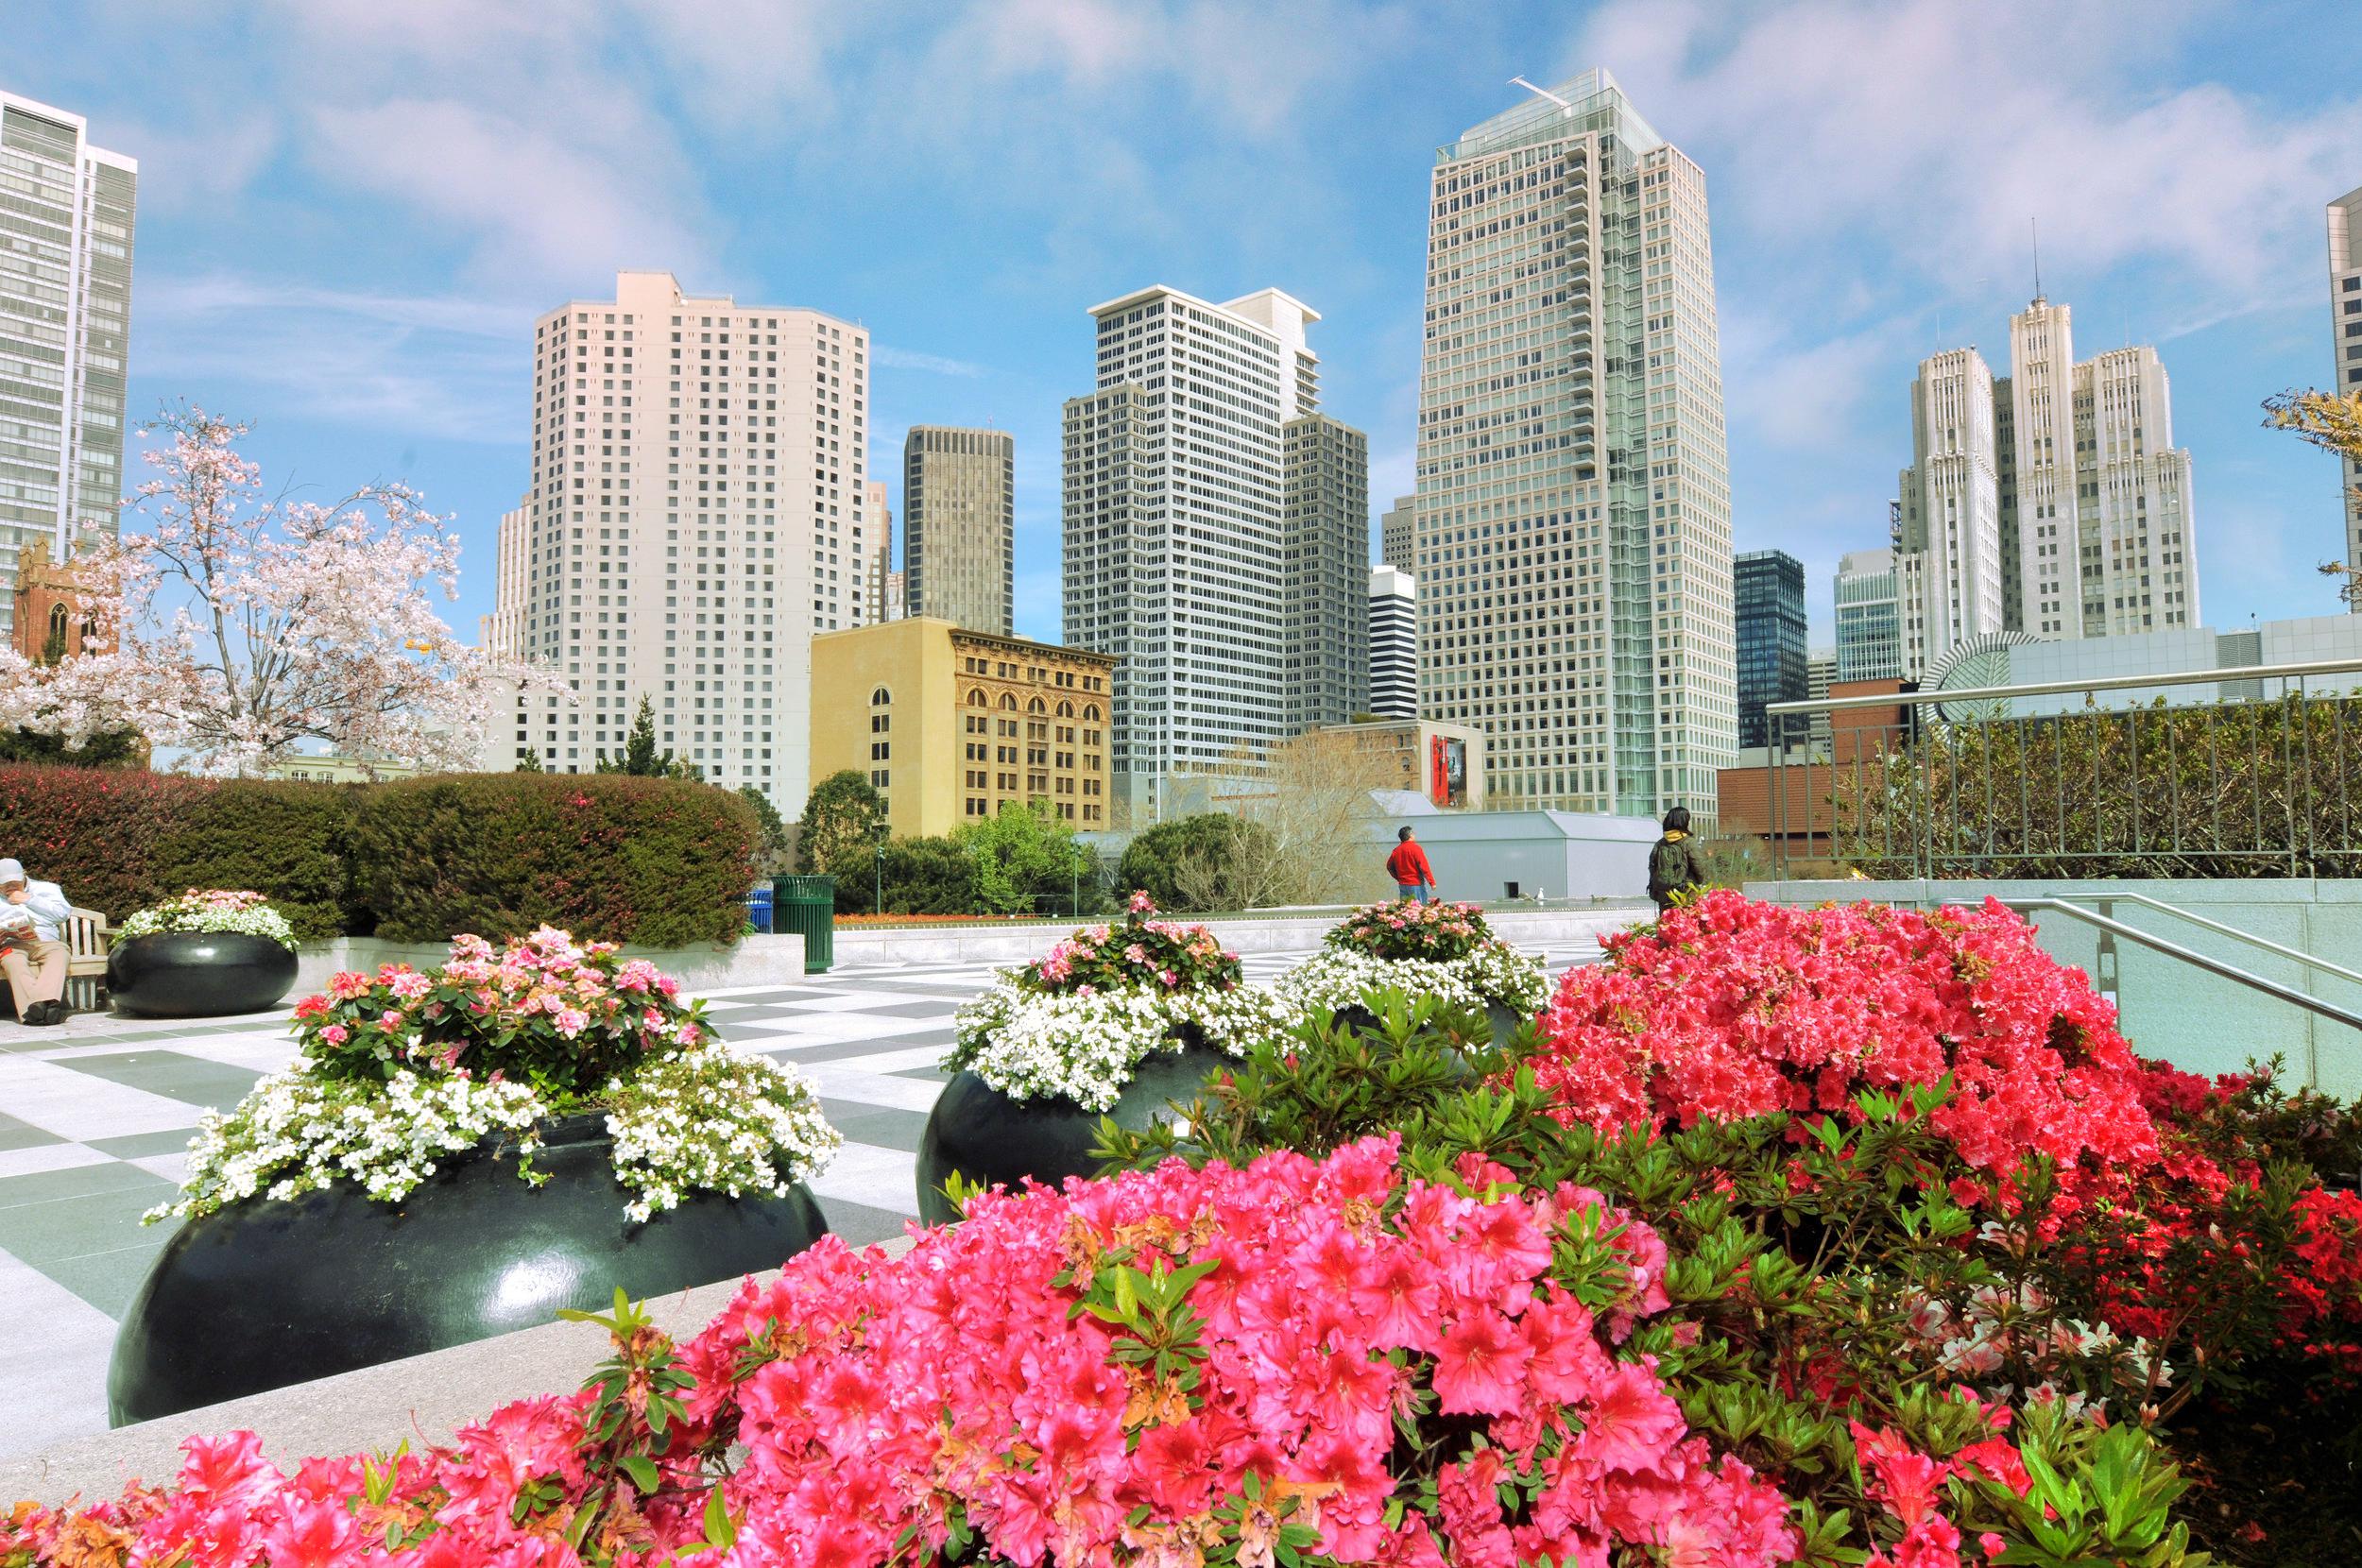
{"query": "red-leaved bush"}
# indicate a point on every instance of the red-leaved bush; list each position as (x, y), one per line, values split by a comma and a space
(1729, 1007)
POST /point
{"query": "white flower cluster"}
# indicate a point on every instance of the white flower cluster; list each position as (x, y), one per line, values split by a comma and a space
(707, 1118)
(296, 1131)
(1495, 974)
(180, 916)
(1085, 1048)
(1975, 1343)
(715, 1119)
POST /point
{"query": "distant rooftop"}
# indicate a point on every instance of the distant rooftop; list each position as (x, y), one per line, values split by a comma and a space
(1593, 101)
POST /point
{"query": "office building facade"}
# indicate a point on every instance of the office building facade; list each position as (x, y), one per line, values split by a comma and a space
(949, 724)
(66, 234)
(1948, 551)
(1394, 644)
(959, 526)
(1573, 532)
(877, 520)
(1397, 533)
(2345, 325)
(1767, 588)
(1869, 616)
(1173, 524)
(697, 516)
(1325, 570)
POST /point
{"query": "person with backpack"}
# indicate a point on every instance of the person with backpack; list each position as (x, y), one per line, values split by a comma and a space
(1414, 878)
(1675, 867)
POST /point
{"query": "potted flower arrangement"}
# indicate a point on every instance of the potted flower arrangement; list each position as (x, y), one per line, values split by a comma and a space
(1115, 1020)
(460, 1152)
(202, 954)
(1435, 949)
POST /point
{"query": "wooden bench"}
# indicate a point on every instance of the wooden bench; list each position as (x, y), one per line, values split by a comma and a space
(86, 934)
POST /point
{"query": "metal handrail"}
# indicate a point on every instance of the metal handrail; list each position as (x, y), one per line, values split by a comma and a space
(2321, 964)
(2056, 687)
(2212, 966)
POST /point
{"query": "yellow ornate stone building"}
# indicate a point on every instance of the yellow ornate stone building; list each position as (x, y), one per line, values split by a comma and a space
(949, 724)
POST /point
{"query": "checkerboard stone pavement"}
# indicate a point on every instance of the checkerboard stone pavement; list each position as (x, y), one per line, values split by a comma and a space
(95, 1118)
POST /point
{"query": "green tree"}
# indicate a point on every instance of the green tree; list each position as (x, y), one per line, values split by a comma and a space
(118, 748)
(529, 760)
(843, 823)
(772, 845)
(1026, 856)
(2332, 421)
(640, 758)
(1197, 864)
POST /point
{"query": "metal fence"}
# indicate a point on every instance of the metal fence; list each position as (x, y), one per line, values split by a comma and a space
(2103, 778)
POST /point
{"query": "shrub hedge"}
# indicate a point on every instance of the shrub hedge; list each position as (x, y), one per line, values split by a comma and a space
(659, 863)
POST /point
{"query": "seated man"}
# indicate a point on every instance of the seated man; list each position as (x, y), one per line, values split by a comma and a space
(32, 951)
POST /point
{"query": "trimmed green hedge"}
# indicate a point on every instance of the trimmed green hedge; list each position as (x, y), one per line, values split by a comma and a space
(651, 862)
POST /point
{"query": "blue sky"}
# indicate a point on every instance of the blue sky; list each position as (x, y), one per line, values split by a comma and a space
(353, 210)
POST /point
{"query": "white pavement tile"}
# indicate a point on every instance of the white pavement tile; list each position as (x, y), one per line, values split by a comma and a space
(829, 1028)
(43, 1407)
(47, 1156)
(865, 1174)
(172, 1167)
(895, 1061)
(269, 1053)
(834, 1081)
(76, 1105)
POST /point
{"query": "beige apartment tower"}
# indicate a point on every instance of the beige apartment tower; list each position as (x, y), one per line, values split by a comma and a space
(696, 515)
(959, 526)
(1947, 547)
(1573, 520)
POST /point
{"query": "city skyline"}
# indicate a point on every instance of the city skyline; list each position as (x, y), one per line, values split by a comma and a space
(401, 360)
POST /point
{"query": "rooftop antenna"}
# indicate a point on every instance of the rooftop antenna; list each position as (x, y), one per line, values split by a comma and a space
(1563, 106)
(2035, 229)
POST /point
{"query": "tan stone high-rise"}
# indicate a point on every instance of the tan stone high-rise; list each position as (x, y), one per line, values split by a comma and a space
(880, 527)
(2345, 305)
(959, 526)
(696, 515)
(1574, 523)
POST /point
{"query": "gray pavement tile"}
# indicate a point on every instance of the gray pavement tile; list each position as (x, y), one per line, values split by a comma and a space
(880, 1126)
(39, 1234)
(137, 1146)
(795, 1053)
(925, 1075)
(190, 1079)
(22, 1134)
(109, 1280)
(909, 1009)
(859, 1224)
(49, 1186)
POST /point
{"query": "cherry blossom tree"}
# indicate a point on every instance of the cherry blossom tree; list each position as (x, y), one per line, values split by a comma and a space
(236, 628)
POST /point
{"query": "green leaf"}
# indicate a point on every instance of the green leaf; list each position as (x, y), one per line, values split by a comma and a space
(721, 1532)
(642, 1472)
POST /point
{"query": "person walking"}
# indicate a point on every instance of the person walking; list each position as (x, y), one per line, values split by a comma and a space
(1414, 878)
(1675, 867)
(32, 949)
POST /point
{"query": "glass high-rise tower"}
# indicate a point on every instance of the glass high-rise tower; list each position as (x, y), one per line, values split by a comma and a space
(1770, 589)
(1573, 526)
(65, 319)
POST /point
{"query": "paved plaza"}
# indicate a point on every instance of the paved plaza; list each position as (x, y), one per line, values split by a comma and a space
(98, 1116)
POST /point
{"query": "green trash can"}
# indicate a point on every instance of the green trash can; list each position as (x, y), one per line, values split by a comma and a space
(807, 905)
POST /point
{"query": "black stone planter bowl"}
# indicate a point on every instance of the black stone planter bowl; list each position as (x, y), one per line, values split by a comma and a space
(996, 1141)
(198, 974)
(1505, 1021)
(263, 1294)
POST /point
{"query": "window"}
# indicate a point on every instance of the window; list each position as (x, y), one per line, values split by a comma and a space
(880, 697)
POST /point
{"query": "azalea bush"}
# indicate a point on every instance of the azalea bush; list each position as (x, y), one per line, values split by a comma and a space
(215, 909)
(1076, 1023)
(399, 1069)
(1435, 949)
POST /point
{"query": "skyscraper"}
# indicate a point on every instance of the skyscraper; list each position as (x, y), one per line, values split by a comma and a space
(879, 520)
(2345, 325)
(1574, 523)
(1325, 570)
(1769, 588)
(1948, 554)
(959, 526)
(1396, 544)
(1173, 508)
(65, 319)
(2106, 514)
(695, 516)
(1869, 616)
(1394, 644)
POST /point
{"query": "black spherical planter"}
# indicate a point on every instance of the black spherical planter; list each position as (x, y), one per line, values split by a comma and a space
(1505, 1021)
(263, 1294)
(992, 1139)
(198, 974)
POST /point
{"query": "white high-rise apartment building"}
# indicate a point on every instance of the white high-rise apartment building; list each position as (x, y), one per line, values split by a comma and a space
(2345, 324)
(1398, 544)
(66, 219)
(696, 513)
(1869, 616)
(1394, 644)
(1948, 546)
(2106, 513)
(1574, 515)
(1173, 523)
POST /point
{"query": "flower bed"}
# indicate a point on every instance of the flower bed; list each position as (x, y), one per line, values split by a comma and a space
(1424, 949)
(247, 913)
(397, 1069)
(1074, 1024)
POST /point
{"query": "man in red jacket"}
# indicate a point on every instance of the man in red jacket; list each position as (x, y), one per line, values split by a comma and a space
(1414, 878)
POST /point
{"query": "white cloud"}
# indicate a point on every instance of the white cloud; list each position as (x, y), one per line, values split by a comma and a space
(905, 359)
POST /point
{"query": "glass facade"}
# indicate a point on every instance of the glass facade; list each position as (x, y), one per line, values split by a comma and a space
(1768, 587)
